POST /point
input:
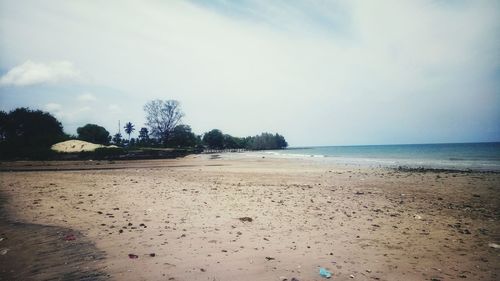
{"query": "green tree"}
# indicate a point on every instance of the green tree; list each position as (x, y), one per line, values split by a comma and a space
(132, 142)
(129, 128)
(162, 117)
(214, 139)
(93, 133)
(267, 141)
(230, 142)
(3, 125)
(117, 139)
(182, 136)
(28, 133)
(144, 136)
(280, 141)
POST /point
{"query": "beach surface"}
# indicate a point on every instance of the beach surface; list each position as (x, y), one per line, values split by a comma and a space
(245, 217)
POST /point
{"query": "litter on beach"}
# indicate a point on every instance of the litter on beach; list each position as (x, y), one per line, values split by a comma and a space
(244, 219)
(324, 272)
(70, 237)
(493, 245)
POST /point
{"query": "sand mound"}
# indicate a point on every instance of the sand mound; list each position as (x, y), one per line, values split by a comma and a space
(77, 146)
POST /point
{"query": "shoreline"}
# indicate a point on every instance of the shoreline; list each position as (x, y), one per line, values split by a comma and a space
(32, 251)
(372, 223)
(388, 163)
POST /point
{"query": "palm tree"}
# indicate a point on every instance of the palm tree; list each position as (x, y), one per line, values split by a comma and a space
(129, 128)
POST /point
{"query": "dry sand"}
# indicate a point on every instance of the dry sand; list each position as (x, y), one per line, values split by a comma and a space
(77, 146)
(360, 223)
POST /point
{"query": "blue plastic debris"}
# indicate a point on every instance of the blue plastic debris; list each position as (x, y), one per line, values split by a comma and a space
(324, 273)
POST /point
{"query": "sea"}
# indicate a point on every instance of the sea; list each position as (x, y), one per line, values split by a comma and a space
(483, 156)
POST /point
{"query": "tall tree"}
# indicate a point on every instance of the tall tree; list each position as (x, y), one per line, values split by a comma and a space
(182, 136)
(93, 133)
(162, 116)
(4, 117)
(129, 128)
(26, 132)
(214, 139)
(144, 136)
(117, 139)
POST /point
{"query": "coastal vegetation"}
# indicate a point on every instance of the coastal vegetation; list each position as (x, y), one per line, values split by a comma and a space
(26, 133)
(29, 134)
(93, 133)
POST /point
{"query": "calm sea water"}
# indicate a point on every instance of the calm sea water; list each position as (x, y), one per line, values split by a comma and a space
(462, 156)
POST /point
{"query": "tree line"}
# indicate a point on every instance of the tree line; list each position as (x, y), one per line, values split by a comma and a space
(25, 133)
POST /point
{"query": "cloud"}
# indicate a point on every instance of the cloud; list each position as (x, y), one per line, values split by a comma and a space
(319, 72)
(87, 97)
(32, 73)
(53, 107)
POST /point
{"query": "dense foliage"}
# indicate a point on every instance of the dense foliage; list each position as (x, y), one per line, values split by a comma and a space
(93, 133)
(182, 136)
(28, 133)
(165, 129)
(267, 141)
(215, 139)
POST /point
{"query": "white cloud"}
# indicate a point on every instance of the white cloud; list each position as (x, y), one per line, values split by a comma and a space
(87, 97)
(53, 107)
(31, 73)
(320, 72)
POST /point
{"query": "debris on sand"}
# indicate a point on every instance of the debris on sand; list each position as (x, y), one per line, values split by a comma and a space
(133, 256)
(70, 237)
(244, 219)
(324, 272)
(269, 258)
(494, 246)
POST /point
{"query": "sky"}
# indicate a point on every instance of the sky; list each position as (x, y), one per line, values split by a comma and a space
(317, 72)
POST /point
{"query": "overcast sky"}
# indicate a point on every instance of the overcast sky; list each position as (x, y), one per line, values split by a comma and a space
(318, 72)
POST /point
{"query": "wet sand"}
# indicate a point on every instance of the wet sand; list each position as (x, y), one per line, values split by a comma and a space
(40, 252)
(182, 220)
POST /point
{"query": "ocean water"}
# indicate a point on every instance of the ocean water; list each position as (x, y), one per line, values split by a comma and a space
(458, 156)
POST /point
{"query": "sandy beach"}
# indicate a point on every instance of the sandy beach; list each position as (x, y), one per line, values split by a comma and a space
(227, 217)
